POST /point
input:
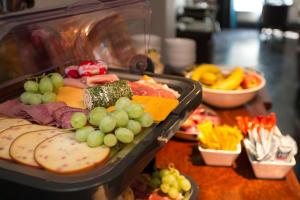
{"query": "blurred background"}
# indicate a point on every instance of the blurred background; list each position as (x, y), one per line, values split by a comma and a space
(260, 34)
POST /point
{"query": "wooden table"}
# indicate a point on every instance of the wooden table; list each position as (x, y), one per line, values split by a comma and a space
(232, 183)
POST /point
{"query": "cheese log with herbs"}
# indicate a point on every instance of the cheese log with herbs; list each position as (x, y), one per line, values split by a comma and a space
(22, 148)
(9, 135)
(72, 96)
(107, 94)
(158, 107)
(63, 154)
(9, 122)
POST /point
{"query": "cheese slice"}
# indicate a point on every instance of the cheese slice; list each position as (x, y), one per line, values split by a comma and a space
(63, 154)
(9, 135)
(9, 122)
(72, 96)
(158, 107)
(22, 148)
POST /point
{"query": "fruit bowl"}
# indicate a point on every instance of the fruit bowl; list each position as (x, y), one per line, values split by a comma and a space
(231, 98)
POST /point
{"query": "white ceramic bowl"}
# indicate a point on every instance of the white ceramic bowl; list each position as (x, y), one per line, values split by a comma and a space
(219, 157)
(180, 43)
(270, 169)
(231, 98)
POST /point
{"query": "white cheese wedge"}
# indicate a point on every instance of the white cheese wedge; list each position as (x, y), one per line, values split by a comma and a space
(63, 154)
(9, 122)
(22, 148)
(9, 135)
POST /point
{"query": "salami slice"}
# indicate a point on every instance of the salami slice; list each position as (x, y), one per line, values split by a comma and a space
(63, 154)
(9, 122)
(9, 135)
(22, 148)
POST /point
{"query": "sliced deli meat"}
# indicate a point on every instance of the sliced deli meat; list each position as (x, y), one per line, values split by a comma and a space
(9, 135)
(63, 154)
(22, 148)
(11, 108)
(92, 81)
(43, 113)
(9, 122)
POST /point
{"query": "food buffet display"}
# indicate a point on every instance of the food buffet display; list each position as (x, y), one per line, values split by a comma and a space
(73, 126)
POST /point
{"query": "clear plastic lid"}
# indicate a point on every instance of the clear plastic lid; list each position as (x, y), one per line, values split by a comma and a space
(35, 41)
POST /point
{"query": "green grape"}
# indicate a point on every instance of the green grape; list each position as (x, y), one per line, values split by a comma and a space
(164, 188)
(25, 97)
(134, 126)
(122, 103)
(78, 120)
(173, 193)
(49, 97)
(110, 140)
(82, 133)
(95, 139)
(96, 115)
(169, 179)
(121, 117)
(45, 85)
(146, 120)
(175, 172)
(57, 80)
(31, 86)
(185, 185)
(124, 135)
(35, 99)
(163, 172)
(155, 182)
(135, 110)
(107, 124)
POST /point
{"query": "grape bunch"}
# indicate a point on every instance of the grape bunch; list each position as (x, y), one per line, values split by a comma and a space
(172, 183)
(42, 91)
(121, 125)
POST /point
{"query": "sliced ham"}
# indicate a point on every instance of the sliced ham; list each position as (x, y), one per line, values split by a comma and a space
(22, 148)
(63, 154)
(9, 135)
(144, 89)
(9, 122)
(100, 79)
(75, 82)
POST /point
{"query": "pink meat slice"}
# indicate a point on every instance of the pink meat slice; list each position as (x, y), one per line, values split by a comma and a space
(43, 113)
(72, 82)
(100, 79)
(11, 108)
(57, 114)
(143, 89)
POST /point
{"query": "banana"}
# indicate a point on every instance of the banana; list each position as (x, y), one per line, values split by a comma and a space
(198, 72)
(208, 78)
(232, 81)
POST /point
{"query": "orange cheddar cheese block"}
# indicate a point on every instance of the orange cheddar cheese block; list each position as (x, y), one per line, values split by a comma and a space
(72, 96)
(22, 148)
(63, 154)
(9, 122)
(9, 135)
(158, 107)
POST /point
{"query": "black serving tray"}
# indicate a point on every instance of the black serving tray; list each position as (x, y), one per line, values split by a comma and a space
(116, 174)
